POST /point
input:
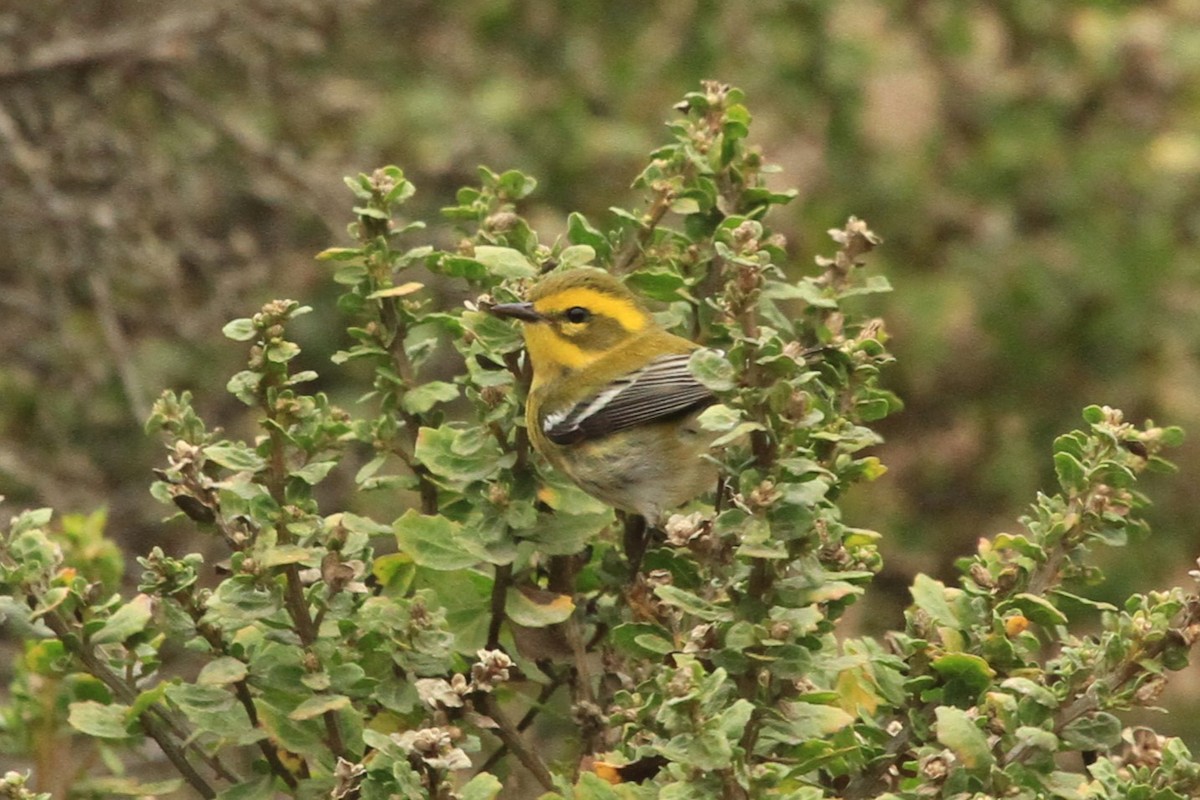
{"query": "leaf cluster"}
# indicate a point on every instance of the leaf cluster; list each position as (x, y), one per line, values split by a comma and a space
(504, 626)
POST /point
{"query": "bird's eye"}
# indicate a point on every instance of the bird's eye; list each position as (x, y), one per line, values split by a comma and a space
(578, 314)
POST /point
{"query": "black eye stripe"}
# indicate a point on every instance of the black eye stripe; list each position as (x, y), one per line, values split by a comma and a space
(577, 314)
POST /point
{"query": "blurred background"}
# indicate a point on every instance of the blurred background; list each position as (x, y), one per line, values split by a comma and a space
(1033, 167)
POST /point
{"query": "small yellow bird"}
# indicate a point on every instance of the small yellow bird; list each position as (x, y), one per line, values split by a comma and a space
(613, 403)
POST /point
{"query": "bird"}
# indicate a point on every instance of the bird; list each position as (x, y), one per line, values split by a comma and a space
(612, 402)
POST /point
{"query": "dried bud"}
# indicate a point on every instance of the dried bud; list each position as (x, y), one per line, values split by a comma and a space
(498, 494)
(493, 396)
(682, 529)
(981, 576)
(764, 495)
(1148, 693)
(382, 182)
(501, 221)
(1144, 747)
(701, 638)
(680, 684)
(659, 577)
(434, 746)
(438, 693)
(491, 669)
(937, 766)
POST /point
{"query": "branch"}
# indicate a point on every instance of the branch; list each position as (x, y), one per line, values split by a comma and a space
(152, 726)
(649, 222)
(511, 738)
(1088, 697)
(114, 337)
(500, 584)
(556, 680)
(160, 41)
(272, 156)
(241, 687)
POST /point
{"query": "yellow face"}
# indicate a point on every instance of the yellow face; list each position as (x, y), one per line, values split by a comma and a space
(574, 318)
(579, 325)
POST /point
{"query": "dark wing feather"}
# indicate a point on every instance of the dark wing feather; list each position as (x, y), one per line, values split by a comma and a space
(662, 389)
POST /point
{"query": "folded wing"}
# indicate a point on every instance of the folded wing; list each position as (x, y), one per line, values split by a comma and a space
(661, 390)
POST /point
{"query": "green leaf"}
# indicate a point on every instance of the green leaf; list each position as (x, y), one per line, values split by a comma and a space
(692, 604)
(505, 262)
(339, 254)
(461, 267)
(1036, 608)
(580, 231)
(1031, 689)
(465, 595)
(719, 418)
(239, 600)
(658, 283)
(712, 369)
(394, 571)
(805, 290)
(643, 639)
(313, 472)
(592, 787)
(29, 520)
(281, 351)
(813, 720)
(930, 596)
(1172, 436)
(1093, 415)
(1099, 731)
(516, 185)
(1071, 473)
(434, 541)
(244, 386)
(316, 706)
(546, 608)
(577, 255)
(222, 671)
(126, 621)
(484, 786)
(260, 789)
(460, 455)
(240, 330)
(1037, 737)
(685, 205)
(424, 397)
(957, 731)
(234, 455)
(104, 721)
(114, 786)
(282, 554)
(1098, 605)
(965, 677)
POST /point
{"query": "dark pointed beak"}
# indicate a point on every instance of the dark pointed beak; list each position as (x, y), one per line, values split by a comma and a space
(522, 311)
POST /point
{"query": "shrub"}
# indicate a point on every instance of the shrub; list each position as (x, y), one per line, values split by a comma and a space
(495, 631)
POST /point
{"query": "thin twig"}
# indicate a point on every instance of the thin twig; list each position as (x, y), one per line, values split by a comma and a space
(511, 738)
(162, 40)
(125, 694)
(500, 583)
(649, 222)
(277, 161)
(548, 690)
(118, 345)
(866, 783)
(212, 636)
